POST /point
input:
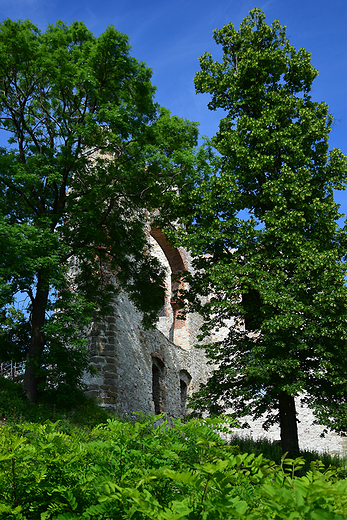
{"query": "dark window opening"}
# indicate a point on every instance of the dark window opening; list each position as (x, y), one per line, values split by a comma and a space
(183, 394)
(185, 380)
(158, 392)
(156, 388)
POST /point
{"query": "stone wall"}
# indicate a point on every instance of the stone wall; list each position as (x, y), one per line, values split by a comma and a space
(124, 355)
(153, 371)
(313, 437)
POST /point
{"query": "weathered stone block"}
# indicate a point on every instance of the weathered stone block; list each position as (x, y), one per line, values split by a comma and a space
(111, 360)
(97, 359)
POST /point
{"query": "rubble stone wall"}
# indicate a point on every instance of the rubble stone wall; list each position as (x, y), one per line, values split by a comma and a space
(155, 370)
(124, 354)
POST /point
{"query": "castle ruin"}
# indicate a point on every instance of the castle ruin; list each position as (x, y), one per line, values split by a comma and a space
(154, 371)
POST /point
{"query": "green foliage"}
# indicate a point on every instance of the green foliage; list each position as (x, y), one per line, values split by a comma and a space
(77, 409)
(14, 335)
(89, 155)
(273, 265)
(272, 450)
(135, 470)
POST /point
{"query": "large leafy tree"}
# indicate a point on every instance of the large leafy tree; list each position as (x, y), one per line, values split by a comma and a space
(90, 155)
(272, 271)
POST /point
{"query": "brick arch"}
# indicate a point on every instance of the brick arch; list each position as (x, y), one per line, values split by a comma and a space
(174, 255)
(178, 263)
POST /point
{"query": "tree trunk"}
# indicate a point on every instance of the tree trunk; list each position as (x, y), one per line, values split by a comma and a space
(288, 424)
(37, 341)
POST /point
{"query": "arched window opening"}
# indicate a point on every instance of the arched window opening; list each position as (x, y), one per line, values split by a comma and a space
(183, 394)
(174, 330)
(158, 387)
(185, 380)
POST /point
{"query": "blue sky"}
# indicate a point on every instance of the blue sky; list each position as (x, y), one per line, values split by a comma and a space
(170, 36)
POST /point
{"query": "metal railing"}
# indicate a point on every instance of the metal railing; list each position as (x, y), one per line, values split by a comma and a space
(12, 370)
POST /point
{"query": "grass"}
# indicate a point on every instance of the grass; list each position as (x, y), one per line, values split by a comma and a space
(272, 450)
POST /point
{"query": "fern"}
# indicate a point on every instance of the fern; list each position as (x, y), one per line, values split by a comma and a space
(137, 471)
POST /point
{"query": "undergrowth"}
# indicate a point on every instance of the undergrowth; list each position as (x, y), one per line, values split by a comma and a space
(79, 463)
(272, 450)
(133, 470)
(81, 411)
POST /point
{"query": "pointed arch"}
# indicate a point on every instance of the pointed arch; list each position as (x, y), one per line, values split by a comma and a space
(175, 256)
(178, 263)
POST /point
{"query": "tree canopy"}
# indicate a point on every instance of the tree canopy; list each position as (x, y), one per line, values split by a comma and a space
(89, 157)
(272, 269)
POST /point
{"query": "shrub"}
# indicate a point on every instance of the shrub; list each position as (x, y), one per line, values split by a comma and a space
(123, 470)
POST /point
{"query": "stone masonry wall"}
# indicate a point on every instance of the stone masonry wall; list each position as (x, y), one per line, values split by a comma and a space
(124, 354)
(154, 370)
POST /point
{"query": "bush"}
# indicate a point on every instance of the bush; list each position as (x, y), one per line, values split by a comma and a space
(15, 407)
(173, 471)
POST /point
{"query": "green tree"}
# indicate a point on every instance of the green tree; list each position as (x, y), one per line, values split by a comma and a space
(272, 271)
(90, 155)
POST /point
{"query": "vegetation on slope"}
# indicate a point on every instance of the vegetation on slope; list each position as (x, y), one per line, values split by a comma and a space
(121, 469)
